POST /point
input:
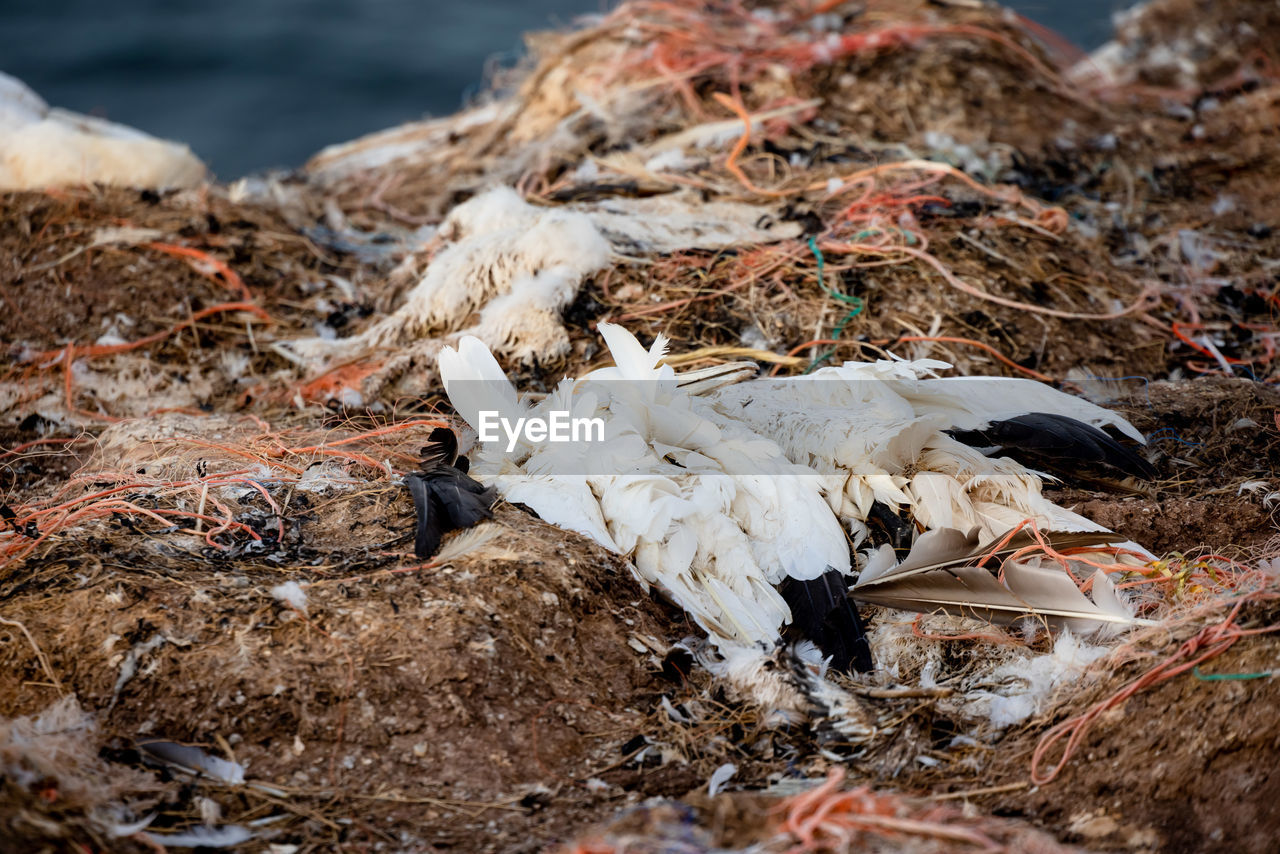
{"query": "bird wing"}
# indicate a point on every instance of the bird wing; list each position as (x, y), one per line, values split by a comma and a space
(1057, 443)
(974, 402)
(940, 574)
(431, 518)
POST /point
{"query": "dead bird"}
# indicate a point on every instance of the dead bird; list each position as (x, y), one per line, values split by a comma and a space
(445, 496)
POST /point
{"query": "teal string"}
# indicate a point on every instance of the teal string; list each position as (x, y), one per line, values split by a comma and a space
(1223, 677)
(907, 235)
(855, 303)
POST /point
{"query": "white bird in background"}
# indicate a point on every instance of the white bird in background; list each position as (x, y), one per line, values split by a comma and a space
(730, 499)
(47, 147)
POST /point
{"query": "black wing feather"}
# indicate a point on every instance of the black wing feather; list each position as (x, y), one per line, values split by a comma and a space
(431, 516)
(445, 497)
(1058, 443)
(822, 612)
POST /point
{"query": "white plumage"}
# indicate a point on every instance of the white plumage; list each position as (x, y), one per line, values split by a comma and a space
(713, 514)
(42, 147)
(720, 494)
(879, 428)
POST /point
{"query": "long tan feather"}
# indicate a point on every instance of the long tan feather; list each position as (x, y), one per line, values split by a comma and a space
(939, 575)
(946, 547)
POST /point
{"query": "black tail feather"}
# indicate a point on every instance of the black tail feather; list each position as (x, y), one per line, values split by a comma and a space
(1058, 444)
(442, 446)
(445, 497)
(822, 612)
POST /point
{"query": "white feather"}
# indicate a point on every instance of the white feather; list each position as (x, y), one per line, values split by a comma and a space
(475, 382)
(714, 514)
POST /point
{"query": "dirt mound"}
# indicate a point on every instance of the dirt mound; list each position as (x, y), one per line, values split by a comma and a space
(1212, 729)
(503, 676)
(1149, 776)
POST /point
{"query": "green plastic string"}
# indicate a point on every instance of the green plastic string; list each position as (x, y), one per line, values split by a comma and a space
(907, 235)
(1223, 677)
(855, 305)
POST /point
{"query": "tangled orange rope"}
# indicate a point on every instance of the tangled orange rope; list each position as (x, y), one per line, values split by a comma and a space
(1209, 642)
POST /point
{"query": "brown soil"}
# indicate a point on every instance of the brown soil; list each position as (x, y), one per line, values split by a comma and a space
(455, 699)
(1187, 766)
(1169, 525)
(1209, 437)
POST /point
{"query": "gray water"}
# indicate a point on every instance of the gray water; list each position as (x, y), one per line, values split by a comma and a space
(254, 85)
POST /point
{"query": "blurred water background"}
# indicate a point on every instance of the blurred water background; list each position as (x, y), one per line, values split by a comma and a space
(257, 84)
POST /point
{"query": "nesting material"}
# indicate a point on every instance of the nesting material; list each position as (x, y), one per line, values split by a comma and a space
(509, 265)
(48, 745)
(55, 785)
(43, 147)
(678, 222)
(411, 142)
(1016, 690)
(508, 269)
(998, 684)
(231, 458)
(291, 594)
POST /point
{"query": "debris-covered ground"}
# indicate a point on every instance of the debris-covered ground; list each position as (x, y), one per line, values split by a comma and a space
(206, 541)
